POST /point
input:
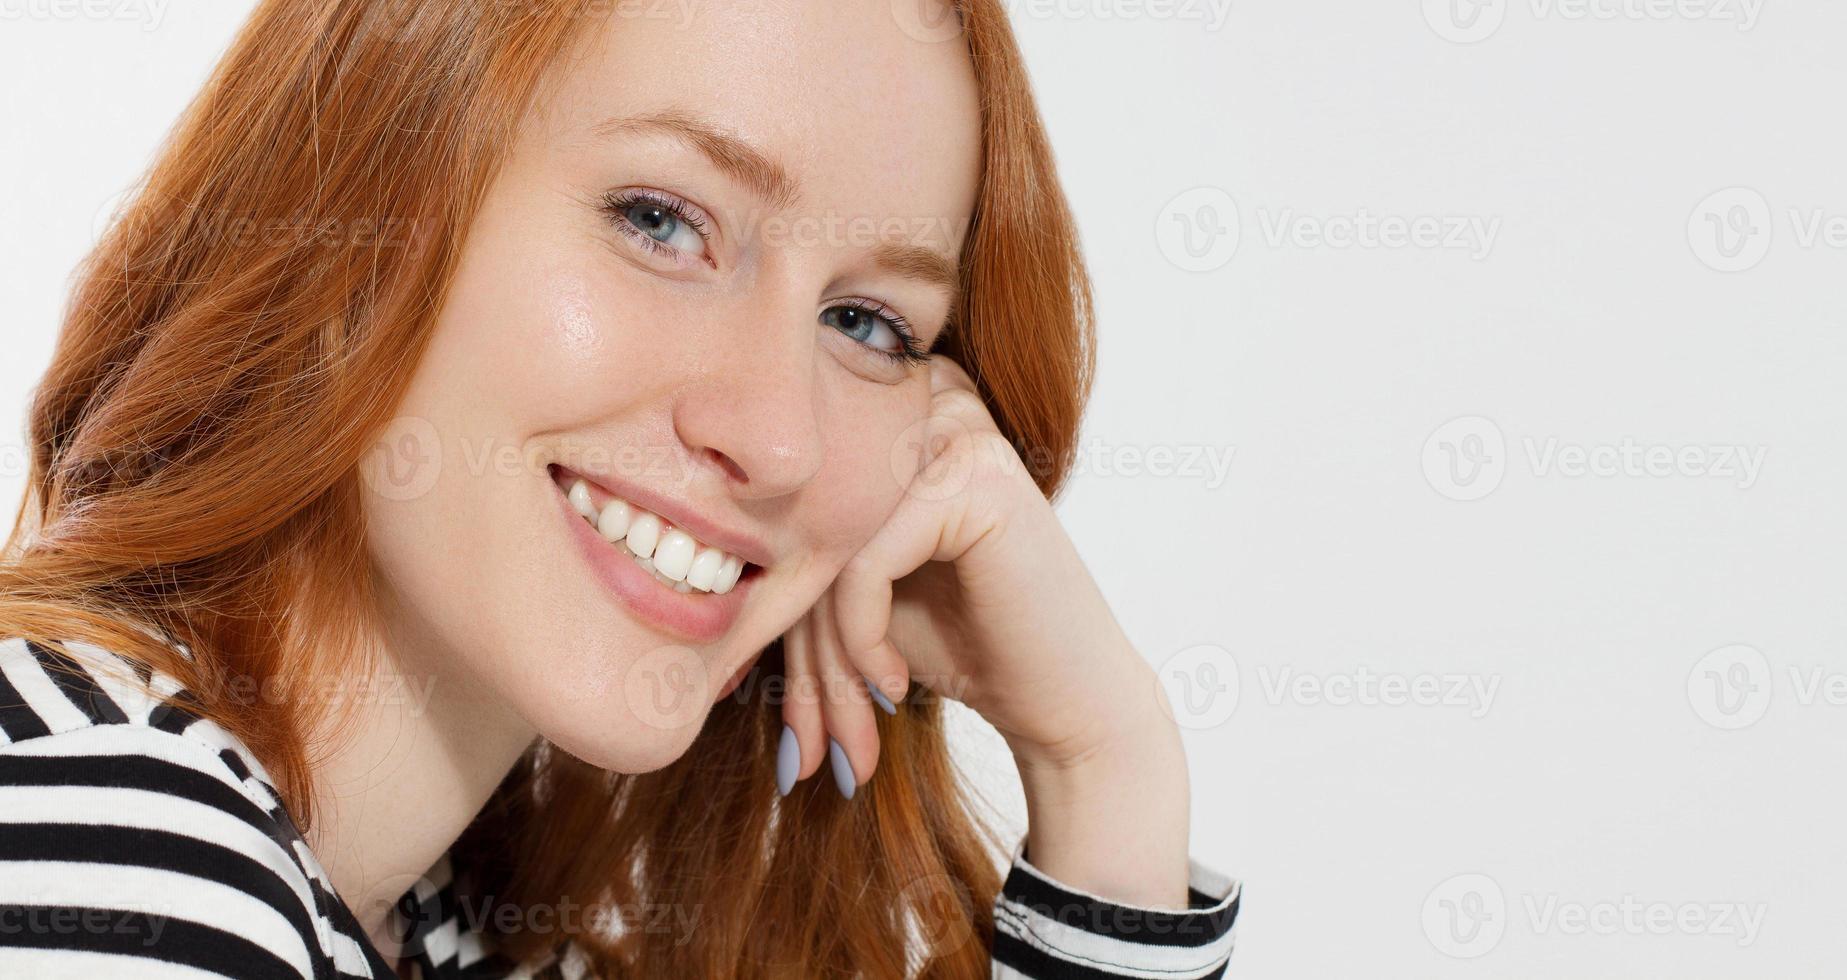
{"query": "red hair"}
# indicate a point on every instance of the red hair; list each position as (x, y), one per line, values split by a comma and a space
(244, 331)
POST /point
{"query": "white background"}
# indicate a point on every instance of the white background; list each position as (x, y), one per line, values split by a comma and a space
(1612, 764)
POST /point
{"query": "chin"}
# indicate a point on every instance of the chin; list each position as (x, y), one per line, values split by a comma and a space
(608, 750)
(628, 703)
(623, 757)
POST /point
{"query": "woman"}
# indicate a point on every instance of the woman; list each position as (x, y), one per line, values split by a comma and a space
(506, 448)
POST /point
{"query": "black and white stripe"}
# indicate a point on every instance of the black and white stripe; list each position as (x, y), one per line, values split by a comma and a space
(1044, 929)
(139, 839)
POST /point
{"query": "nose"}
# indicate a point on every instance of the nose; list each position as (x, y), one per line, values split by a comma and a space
(752, 410)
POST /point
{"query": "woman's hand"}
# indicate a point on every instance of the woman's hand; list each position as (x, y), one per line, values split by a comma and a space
(972, 589)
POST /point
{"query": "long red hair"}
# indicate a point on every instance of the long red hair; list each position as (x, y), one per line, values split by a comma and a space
(244, 331)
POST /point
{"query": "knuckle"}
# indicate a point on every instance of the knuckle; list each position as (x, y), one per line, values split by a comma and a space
(858, 566)
(994, 458)
(952, 371)
(959, 403)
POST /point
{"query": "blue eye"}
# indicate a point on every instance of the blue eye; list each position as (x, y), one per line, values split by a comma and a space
(878, 328)
(657, 221)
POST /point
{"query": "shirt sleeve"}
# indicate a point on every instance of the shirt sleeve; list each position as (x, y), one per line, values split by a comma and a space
(1047, 930)
(129, 851)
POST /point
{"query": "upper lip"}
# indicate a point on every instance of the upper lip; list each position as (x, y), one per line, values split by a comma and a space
(679, 514)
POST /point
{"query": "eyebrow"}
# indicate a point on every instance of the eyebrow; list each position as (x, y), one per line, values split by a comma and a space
(749, 166)
(919, 262)
(736, 158)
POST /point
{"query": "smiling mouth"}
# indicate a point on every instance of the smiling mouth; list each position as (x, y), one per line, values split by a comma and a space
(674, 557)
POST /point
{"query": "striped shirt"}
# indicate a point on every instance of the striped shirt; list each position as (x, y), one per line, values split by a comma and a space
(140, 839)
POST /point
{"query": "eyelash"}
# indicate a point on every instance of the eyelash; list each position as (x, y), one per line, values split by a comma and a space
(910, 350)
(617, 203)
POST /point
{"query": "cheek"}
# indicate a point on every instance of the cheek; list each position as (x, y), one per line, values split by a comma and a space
(530, 328)
(872, 454)
(551, 341)
(572, 329)
(574, 347)
(592, 343)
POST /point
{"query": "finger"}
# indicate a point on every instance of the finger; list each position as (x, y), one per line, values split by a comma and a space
(801, 711)
(955, 399)
(919, 530)
(946, 373)
(846, 707)
(886, 672)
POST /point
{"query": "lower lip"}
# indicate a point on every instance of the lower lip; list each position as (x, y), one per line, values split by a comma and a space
(695, 617)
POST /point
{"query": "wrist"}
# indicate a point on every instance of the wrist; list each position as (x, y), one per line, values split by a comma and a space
(1112, 818)
(1130, 725)
(1145, 758)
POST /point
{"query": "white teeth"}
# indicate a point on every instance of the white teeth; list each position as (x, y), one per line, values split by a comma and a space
(613, 522)
(728, 574)
(674, 555)
(644, 532)
(580, 499)
(648, 566)
(705, 568)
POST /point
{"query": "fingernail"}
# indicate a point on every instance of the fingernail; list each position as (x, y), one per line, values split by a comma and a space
(879, 697)
(843, 770)
(788, 761)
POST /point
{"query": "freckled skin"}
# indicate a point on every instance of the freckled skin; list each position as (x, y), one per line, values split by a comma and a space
(725, 386)
(561, 335)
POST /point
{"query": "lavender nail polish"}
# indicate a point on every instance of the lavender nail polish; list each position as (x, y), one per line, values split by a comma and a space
(843, 770)
(879, 697)
(788, 761)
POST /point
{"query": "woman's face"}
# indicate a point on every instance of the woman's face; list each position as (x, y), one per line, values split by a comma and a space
(691, 286)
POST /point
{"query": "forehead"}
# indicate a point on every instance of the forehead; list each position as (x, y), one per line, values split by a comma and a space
(866, 116)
